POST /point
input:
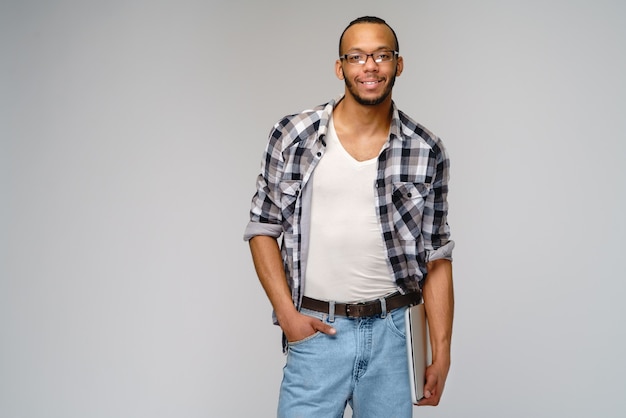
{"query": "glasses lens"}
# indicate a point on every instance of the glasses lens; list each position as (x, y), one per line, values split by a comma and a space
(383, 56)
(356, 58)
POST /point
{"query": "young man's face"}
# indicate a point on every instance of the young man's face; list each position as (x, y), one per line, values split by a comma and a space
(371, 83)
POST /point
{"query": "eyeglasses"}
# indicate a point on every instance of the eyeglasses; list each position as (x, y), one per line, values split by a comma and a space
(360, 58)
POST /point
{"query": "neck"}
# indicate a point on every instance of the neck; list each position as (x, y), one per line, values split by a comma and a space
(354, 116)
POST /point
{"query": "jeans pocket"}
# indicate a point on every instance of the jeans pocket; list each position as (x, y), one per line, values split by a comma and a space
(314, 314)
(395, 320)
(304, 340)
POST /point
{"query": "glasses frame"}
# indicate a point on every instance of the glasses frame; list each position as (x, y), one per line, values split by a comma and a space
(367, 56)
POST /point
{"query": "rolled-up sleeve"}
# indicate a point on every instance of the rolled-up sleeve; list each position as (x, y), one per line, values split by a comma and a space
(255, 228)
(444, 252)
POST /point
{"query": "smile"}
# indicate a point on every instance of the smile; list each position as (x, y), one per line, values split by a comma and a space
(370, 82)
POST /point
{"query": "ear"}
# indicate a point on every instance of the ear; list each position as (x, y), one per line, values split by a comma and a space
(339, 70)
(399, 66)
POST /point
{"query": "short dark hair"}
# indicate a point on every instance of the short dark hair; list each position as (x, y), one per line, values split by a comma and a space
(369, 19)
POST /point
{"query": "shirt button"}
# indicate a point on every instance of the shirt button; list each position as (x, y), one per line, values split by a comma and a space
(409, 195)
(319, 154)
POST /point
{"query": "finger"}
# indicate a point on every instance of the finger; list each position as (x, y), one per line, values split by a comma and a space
(428, 402)
(325, 328)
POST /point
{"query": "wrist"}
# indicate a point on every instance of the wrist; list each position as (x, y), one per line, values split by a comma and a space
(441, 354)
(284, 313)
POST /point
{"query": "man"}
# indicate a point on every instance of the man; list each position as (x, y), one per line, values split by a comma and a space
(358, 192)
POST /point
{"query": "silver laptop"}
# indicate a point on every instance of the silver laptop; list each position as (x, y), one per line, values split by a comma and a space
(418, 349)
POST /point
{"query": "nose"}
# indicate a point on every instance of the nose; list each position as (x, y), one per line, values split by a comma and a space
(370, 64)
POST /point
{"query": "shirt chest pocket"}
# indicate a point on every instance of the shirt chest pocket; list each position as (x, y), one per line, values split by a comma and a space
(289, 192)
(408, 208)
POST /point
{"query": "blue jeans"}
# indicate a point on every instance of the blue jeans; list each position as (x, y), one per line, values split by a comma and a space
(364, 364)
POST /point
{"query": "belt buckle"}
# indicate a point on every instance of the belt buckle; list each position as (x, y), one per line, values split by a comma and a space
(352, 310)
(361, 309)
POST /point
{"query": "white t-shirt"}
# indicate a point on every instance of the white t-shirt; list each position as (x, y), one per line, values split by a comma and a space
(347, 261)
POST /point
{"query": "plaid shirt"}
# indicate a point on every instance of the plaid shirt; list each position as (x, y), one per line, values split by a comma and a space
(410, 188)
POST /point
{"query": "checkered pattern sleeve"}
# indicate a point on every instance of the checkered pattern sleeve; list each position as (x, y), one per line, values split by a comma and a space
(265, 212)
(435, 228)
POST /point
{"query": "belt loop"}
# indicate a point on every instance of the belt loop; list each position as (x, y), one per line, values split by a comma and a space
(383, 308)
(331, 311)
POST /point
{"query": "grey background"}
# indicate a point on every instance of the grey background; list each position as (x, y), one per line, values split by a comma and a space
(131, 135)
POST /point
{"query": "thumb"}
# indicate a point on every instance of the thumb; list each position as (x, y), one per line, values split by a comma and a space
(430, 385)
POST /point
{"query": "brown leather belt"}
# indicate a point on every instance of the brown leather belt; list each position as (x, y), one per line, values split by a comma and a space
(363, 309)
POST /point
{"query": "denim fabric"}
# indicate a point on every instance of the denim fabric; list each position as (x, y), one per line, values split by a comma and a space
(364, 365)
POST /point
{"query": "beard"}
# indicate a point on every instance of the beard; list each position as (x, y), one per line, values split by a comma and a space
(370, 101)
